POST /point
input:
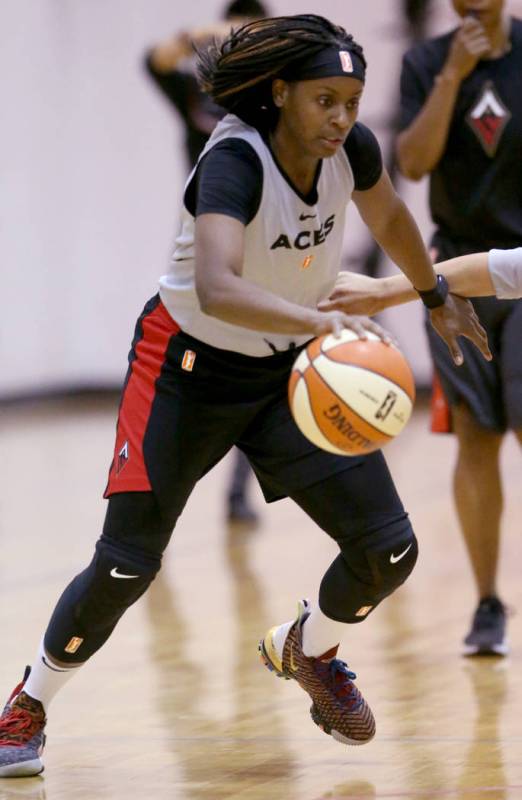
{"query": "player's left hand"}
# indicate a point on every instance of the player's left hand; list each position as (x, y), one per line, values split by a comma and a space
(354, 294)
(455, 318)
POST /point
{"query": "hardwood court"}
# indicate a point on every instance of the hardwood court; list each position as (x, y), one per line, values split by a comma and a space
(177, 705)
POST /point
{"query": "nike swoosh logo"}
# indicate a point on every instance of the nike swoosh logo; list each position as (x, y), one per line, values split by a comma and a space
(302, 217)
(394, 559)
(116, 574)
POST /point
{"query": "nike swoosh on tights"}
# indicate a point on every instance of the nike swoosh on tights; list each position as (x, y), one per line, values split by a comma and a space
(394, 559)
(116, 574)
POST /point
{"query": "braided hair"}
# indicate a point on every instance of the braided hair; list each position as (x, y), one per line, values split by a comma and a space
(238, 73)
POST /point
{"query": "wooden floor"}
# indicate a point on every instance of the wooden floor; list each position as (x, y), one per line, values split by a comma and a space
(177, 704)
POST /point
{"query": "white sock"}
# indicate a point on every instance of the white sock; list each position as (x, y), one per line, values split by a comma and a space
(47, 678)
(321, 633)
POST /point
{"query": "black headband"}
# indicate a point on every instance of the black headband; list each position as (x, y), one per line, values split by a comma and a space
(330, 62)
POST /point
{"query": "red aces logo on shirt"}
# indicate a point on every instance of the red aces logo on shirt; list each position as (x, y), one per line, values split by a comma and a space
(488, 117)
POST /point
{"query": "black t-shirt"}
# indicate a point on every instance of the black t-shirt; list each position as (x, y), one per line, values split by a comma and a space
(476, 188)
(229, 178)
(199, 113)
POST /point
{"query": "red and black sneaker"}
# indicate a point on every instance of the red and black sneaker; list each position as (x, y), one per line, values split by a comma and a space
(338, 707)
(22, 736)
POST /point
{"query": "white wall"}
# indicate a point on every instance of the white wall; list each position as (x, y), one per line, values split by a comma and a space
(92, 173)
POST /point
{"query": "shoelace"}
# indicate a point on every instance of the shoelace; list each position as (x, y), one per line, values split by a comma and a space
(340, 678)
(18, 726)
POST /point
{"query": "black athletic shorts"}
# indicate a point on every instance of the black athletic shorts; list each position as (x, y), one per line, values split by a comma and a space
(492, 390)
(185, 404)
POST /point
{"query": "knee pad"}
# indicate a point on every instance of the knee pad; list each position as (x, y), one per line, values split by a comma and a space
(367, 570)
(116, 577)
(391, 554)
(95, 600)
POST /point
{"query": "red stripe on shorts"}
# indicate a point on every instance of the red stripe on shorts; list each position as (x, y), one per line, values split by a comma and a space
(440, 408)
(128, 472)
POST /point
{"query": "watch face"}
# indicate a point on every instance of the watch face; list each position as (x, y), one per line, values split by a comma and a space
(442, 286)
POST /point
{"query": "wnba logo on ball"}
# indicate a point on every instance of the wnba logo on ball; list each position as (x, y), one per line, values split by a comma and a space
(386, 405)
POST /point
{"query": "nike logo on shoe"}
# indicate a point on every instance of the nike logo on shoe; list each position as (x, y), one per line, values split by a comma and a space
(116, 574)
(394, 559)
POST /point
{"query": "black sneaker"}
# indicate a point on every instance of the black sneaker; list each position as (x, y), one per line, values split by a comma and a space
(487, 636)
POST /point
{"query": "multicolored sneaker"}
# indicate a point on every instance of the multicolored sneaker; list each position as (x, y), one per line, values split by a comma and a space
(22, 737)
(487, 636)
(338, 707)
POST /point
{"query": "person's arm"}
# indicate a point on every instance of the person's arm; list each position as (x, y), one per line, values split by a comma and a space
(393, 227)
(467, 276)
(356, 293)
(421, 145)
(166, 56)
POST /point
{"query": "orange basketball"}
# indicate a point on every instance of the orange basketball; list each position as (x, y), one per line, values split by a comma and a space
(351, 396)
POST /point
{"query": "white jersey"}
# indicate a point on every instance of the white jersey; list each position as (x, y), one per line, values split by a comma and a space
(292, 249)
(505, 267)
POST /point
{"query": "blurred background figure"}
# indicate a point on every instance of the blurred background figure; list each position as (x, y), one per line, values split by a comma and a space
(171, 65)
(461, 123)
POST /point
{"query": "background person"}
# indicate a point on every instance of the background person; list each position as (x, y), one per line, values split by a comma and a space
(461, 121)
(171, 65)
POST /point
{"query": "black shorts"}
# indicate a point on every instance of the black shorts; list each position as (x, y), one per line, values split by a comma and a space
(492, 390)
(185, 404)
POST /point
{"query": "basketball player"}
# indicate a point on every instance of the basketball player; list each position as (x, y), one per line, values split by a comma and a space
(260, 245)
(171, 64)
(461, 120)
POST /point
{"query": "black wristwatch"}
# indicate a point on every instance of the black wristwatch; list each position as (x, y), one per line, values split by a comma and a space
(433, 298)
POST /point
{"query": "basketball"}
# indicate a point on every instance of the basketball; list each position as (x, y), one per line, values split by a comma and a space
(351, 396)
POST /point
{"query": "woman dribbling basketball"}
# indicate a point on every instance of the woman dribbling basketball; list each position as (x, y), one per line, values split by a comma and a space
(260, 246)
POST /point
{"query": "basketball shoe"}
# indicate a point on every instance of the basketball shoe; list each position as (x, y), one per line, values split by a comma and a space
(487, 635)
(338, 707)
(22, 737)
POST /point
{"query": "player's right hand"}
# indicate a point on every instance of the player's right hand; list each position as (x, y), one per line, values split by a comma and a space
(469, 44)
(335, 321)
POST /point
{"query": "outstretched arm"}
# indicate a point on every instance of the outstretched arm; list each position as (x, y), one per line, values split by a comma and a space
(467, 276)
